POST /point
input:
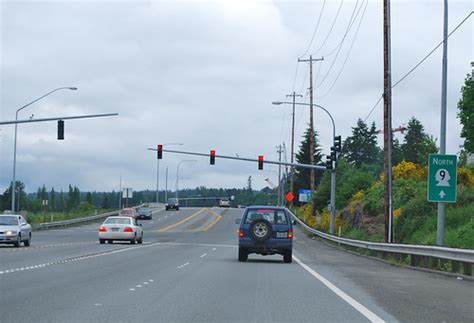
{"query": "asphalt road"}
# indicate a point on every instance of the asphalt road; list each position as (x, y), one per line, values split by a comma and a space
(187, 270)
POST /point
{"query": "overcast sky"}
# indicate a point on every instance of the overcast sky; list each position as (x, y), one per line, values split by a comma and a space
(204, 73)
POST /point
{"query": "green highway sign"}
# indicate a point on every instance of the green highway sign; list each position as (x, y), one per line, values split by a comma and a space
(442, 178)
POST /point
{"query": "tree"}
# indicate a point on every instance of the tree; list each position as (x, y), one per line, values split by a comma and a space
(361, 147)
(466, 113)
(52, 200)
(417, 144)
(89, 198)
(303, 175)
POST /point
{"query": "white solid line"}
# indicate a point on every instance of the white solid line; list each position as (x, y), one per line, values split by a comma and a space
(203, 255)
(355, 304)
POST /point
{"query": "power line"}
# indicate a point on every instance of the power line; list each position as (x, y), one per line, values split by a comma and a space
(315, 30)
(421, 61)
(349, 52)
(351, 22)
(330, 29)
(432, 51)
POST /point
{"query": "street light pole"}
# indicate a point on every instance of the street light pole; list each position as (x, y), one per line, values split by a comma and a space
(158, 172)
(16, 130)
(177, 173)
(333, 171)
(166, 185)
(292, 179)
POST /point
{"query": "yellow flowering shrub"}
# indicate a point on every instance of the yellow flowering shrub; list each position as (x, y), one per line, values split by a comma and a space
(397, 213)
(408, 170)
(465, 176)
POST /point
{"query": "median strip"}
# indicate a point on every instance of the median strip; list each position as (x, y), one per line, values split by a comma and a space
(182, 221)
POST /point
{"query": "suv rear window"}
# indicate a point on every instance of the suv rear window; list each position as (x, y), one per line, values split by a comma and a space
(273, 216)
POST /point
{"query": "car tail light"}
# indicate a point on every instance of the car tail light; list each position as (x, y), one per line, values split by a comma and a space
(290, 234)
(128, 229)
(102, 229)
(241, 233)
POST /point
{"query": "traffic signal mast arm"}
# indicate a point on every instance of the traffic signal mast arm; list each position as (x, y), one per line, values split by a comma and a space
(317, 167)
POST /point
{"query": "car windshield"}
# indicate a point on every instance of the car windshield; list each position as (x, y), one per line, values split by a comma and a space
(126, 212)
(118, 221)
(272, 216)
(144, 209)
(8, 220)
(172, 200)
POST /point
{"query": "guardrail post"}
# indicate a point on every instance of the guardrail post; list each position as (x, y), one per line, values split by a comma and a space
(413, 260)
(467, 268)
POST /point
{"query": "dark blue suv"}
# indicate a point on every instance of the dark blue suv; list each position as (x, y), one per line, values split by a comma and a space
(265, 230)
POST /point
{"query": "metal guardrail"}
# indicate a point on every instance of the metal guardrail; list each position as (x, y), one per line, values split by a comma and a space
(49, 225)
(464, 256)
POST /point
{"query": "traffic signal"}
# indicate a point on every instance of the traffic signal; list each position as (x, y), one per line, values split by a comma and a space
(337, 143)
(333, 153)
(260, 162)
(213, 157)
(328, 162)
(159, 150)
(60, 130)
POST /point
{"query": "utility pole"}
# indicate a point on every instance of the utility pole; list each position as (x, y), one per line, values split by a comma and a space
(292, 179)
(311, 125)
(120, 192)
(442, 145)
(387, 123)
(279, 151)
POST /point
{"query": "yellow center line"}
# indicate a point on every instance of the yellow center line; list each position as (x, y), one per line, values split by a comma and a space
(217, 219)
(182, 221)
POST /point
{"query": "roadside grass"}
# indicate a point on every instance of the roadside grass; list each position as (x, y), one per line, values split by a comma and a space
(36, 218)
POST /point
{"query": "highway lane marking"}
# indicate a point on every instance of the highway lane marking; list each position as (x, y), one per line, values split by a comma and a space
(77, 258)
(183, 220)
(132, 289)
(139, 286)
(213, 223)
(50, 246)
(203, 255)
(214, 249)
(352, 302)
(183, 265)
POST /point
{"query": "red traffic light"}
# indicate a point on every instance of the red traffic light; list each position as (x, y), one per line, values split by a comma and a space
(213, 157)
(260, 162)
(159, 149)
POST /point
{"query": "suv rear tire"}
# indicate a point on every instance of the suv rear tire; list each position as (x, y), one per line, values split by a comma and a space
(243, 254)
(288, 256)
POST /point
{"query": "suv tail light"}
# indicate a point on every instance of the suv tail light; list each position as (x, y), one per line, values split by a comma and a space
(128, 229)
(290, 234)
(102, 229)
(241, 233)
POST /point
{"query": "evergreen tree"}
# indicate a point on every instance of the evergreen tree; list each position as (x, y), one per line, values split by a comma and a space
(466, 114)
(52, 200)
(62, 202)
(89, 198)
(303, 175)
(417, 144)
(361, 147)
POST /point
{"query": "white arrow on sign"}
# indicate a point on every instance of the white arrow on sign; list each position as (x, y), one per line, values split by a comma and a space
(442, 194)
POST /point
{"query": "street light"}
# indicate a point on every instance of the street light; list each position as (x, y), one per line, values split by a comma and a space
(177, 173)
(158, 171)
(14, 145)
(333, 171)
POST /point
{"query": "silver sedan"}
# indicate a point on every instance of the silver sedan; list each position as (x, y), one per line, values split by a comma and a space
(120, 228)
(14, 230)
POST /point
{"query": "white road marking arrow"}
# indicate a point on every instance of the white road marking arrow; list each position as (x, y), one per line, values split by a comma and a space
(442, 194)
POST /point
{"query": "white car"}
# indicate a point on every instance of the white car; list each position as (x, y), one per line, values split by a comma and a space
(120, 228)
(224, 203)
(14, 230)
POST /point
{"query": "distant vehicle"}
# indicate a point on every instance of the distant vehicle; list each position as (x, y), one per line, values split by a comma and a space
(144, 213)
(172, 203)
(131, 212)
(265, 230)
(120, 228)
(14, 230)
(224, 203)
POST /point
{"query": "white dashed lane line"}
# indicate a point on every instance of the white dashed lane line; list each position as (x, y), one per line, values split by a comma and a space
(203, 255)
